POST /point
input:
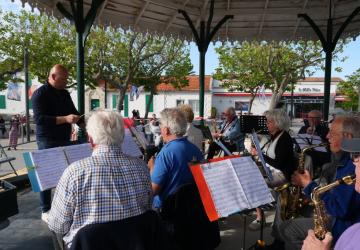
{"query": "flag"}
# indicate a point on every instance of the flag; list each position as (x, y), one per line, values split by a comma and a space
(139, 89)
(132, 92)
(262, 93)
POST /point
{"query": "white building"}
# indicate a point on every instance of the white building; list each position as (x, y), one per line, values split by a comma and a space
(167, 97)
(308, 94)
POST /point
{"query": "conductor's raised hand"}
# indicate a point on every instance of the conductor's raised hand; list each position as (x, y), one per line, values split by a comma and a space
(72, 118)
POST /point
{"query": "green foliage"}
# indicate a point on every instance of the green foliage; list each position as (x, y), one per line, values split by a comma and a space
(48, 40)
(119, 57)
(248, 65)
(350, 88)
(134, 58)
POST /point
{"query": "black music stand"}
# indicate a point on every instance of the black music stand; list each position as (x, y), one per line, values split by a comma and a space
(253, 122)
(205, 130)
(260, 243)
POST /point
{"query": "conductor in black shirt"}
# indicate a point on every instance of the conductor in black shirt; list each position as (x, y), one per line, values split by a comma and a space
(54, 113)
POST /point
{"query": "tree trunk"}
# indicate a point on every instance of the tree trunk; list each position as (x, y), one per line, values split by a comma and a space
(120, 104)
(148, 104)
(251, 102)
(359, 98)
(275, 98)
(122, 92)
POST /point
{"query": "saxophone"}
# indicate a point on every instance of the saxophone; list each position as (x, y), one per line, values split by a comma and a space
(321, 219)
(291, 197)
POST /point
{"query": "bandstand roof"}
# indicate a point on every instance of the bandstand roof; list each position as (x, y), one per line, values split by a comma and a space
(253, 19)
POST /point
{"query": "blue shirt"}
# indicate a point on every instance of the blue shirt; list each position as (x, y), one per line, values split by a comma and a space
(343, 202)
(48, 103)
(171, 169)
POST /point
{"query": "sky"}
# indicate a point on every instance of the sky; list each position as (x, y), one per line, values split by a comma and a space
(351, 51)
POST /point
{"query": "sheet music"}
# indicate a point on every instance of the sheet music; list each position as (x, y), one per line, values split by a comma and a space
(129, 146)
(224, 187)
(223, 147)
(140, 137)
(255, 139)
(49, 166)
(253, 184)
(77, 152)
(304, 140)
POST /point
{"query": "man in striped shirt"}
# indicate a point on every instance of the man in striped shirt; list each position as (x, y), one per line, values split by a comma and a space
(107, 186)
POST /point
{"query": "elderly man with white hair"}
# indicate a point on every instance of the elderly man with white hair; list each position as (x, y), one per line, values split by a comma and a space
(170, 170)
(107, 186)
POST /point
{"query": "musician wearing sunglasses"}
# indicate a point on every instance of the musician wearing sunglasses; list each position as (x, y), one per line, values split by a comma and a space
(349, 239)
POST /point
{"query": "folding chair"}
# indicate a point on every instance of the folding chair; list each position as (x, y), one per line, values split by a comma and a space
(4, 158)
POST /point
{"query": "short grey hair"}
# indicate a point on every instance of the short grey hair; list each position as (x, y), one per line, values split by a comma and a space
(350, 124)
(231, 110)
(280, 118)
(106, 127)
(175, 120)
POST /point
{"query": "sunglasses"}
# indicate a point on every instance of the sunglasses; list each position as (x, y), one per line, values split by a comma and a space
(355, 157)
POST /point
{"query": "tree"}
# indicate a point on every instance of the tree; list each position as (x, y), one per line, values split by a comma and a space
(276, 64)
(351, 89)
(236, 77)
(140, 59)
(49, 41)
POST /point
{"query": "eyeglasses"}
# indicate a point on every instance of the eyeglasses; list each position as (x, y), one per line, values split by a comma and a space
(355, 156)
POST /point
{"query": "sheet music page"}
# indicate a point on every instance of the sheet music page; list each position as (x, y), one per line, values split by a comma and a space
(224, 186)
(49, 166)
(140, 137)
(253, 184)
(304, 140)
(129, 146)
(255, 139)
(77, 152)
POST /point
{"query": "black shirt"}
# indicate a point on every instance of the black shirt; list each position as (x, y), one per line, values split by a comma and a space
(321, 130)
(48, 103)
(284, 154)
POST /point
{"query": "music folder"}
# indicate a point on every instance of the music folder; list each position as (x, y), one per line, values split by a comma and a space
(230, 185)
(46, 166)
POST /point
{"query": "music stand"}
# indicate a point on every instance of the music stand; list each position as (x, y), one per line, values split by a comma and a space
(205, 130)
(253, 122)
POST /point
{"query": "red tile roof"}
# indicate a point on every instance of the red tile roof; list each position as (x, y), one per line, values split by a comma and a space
(193, 85)
(319, 79)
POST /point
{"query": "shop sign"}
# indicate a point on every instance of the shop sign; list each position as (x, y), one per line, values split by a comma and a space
(307, 89)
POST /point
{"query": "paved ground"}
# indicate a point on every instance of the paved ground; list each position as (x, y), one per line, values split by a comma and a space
(27, 231)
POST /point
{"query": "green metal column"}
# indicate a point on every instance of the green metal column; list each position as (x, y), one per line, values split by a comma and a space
(26, 72)
(202, 50)
(329, 44)
(202, 41)
(83, 26)
(80, 72)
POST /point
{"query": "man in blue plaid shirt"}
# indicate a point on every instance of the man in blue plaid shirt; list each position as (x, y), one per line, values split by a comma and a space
(107, 186)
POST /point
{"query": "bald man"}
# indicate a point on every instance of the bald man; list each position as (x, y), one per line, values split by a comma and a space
(315, 126)
(54, 113)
